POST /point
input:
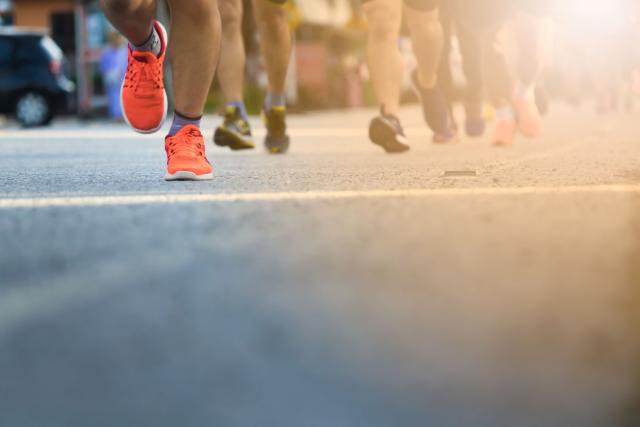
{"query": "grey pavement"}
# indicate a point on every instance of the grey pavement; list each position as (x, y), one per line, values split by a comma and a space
(508, 298)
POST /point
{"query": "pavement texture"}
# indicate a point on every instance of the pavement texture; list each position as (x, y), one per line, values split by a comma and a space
(336, 286)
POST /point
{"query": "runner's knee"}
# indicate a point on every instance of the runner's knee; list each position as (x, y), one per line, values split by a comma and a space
(198, 12)
(384, 20)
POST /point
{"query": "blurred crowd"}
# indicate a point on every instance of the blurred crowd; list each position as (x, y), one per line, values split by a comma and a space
(503, 61)
(502, 58)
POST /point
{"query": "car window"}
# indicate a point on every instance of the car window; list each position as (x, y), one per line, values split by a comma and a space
(29, 51)
(6, 51)
(25, 50)
(38, 49)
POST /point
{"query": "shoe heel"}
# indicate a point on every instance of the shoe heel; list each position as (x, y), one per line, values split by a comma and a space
(221, 139)
(379, 133)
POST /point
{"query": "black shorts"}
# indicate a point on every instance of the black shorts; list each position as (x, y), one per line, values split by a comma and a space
(424, 5)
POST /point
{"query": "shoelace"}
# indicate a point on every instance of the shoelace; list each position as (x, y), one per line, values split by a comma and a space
(238, 121)
(396, 123)
(142, 75)
(243, 126)
(190, 144)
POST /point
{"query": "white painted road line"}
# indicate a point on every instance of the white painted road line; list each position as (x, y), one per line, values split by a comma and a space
(19, 305)
(168, 199)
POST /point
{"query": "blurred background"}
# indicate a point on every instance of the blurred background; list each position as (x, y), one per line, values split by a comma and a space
(328, 68)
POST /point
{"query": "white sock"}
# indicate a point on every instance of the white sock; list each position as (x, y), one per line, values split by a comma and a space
(153, 44)
(506, 113)
(524, 91)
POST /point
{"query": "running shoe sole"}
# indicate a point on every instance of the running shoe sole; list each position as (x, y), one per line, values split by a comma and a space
(188, 176)
(226, 138)
(501, 144)
(277, 147)
(384, 136)
(164, 92)
(444, 139)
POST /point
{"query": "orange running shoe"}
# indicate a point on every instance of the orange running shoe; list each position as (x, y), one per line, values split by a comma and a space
(186, 159)
(529, 122)
(143, 98)
(505, 132)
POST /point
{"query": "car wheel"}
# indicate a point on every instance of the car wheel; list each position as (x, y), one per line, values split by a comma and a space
(33, 109)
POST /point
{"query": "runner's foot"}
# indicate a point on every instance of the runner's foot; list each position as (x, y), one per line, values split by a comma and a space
(527, 114)
(277, 140)
(234, 132)
(186, 158)
(506, 128)
(143, 98)
(435, 110)
(386, 131)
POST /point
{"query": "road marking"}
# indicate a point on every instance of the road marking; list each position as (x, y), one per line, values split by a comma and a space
(169, 199)
(19, 305)
(460, 174)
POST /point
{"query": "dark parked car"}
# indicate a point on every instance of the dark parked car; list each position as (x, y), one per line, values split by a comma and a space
(33, 87)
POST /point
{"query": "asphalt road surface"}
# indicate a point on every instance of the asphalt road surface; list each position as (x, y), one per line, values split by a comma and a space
(336, 286)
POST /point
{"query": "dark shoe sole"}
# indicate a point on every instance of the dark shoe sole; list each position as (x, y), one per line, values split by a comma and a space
(383, 136)
(277, 145)
(225, 138)
(445, 139)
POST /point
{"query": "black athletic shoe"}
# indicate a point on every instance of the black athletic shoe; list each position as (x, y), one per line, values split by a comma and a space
(435, 110)
(386, 131)
(277, 140)
(234, 132)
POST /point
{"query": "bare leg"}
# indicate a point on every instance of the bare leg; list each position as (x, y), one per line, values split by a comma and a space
(385, 61)
(428, 40)
(500, 82)
(500, 86)
(428, 45)
(273, 25)
(232, 54)
(271, 19)
(235, 131)
(132, 18)
(194, 49)
(534, 35)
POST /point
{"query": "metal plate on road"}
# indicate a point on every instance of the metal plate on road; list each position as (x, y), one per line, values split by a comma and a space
(459, 174)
